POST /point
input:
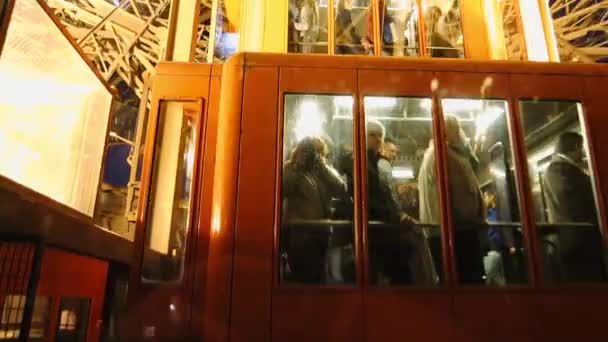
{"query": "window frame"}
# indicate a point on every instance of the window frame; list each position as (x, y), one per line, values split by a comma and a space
(144, 199)
(331, 29)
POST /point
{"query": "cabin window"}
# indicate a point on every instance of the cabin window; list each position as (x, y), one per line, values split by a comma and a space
(12, 317)
(484, 202)
(443, 28)
(404, 239)
(171, 191)
(563, 191)
(308, 26)
(73, 319)
(355, 25)
(317, 245)
(352, 34)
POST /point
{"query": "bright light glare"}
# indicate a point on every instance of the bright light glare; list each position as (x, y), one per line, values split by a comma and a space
(485, 119)
(498, 173)
(343, 101)
(376, 102)
(536, 43)
(310, 121)
(403, 173)
(461, 105)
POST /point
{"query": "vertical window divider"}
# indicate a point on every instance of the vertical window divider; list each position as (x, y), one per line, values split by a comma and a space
(376, 29)
(597, 182)
(447, 235)
(331, 27)
(525, 191)
(421, 30)
(360, 184)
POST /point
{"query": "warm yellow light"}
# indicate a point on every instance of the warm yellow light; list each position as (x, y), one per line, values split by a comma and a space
(536, 44)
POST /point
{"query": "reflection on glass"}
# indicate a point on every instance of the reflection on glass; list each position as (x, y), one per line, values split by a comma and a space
(404, 237)
(443, 28)
(511, 27)
(307, 30)
(115, 208)
(351, 26)
(563, 192)
(317, 207)
(73, 319)
(53, 112)
(483, 193)
(226, 33)
(12, 317)
(400, 28)
(170, 200)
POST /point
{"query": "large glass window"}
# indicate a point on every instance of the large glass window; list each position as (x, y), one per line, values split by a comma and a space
(317, 189)
(404, 235)
(483, 193)
(308, 26)
(443, 28)
(561, 177)
(171, 190)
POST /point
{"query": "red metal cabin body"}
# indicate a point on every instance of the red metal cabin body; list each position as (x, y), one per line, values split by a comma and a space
(233, 290)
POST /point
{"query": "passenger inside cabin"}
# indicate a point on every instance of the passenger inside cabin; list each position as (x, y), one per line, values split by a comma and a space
(568, 194)
(387, 30)
(468, 208)
(347, 38)
(309, 184)
(308, 25)
(437, 36)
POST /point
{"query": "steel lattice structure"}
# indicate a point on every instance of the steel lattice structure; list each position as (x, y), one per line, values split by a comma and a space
(581, 29)
(125, 38)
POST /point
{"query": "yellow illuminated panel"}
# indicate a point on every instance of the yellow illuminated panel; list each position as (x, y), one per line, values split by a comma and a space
(53, 112)
(536, 43)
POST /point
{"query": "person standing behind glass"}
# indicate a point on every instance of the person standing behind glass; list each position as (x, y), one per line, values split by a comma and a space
(308, 186)
(387, 33)
(439, 44)
(346, 35)
(568, 193)
(308, 25)
(468, 208)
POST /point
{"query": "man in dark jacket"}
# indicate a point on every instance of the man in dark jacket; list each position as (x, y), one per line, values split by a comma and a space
(569, 198)
(388, 252)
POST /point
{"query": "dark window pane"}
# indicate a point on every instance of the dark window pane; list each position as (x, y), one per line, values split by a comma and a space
(563, 192)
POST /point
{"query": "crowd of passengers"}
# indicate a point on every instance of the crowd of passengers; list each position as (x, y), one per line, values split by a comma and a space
(404, 246)
(305, 29)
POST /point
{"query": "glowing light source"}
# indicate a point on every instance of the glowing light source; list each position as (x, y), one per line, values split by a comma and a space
(485, 119)
(310, 121)
(376, 102)
(497, 172)
(536, 44)
(402, 173)
(461, 105)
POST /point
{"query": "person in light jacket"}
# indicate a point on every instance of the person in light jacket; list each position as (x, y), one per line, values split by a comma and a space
(308, 25)
(467, 205)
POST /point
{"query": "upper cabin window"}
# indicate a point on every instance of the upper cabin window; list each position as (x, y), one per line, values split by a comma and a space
(443, 28)
(483, 197)
(563, 191)
(308, 26)
(317, 191)
(404, 239)
(357, 25)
